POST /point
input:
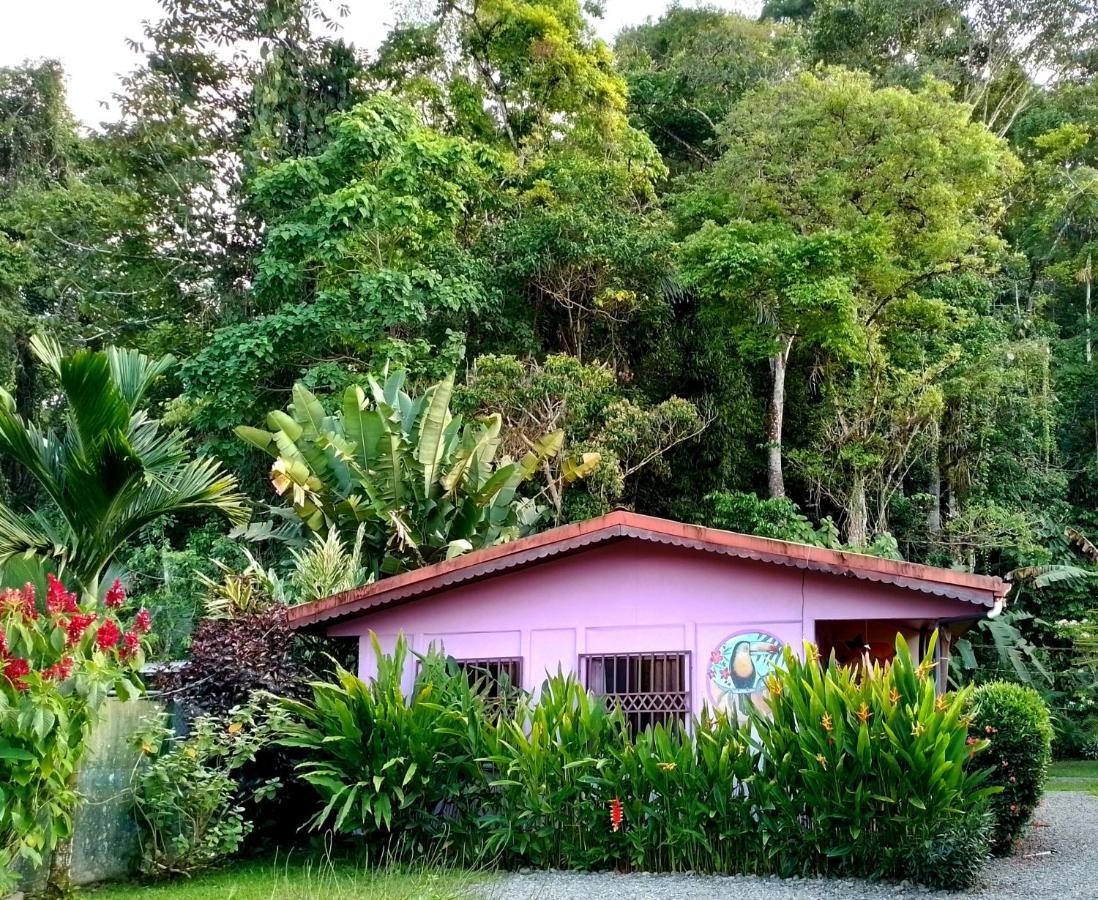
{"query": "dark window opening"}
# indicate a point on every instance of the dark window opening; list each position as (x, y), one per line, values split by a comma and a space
(500, 677)
(650, 688)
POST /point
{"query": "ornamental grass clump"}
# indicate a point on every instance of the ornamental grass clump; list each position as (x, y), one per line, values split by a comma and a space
(1015, 722)
(59, 658)
(866, 772)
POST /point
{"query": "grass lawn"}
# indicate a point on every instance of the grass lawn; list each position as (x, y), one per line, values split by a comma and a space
(1074, 775)
(284, 879)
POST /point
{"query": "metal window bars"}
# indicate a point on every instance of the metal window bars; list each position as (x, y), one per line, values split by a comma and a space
(649, 687)
(500, 674)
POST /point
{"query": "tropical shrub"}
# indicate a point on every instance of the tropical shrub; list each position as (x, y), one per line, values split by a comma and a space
(386, 764)
(865, 772)
(858, 773)
(187, 801)
(550, 766)
(686, 800)
(1015, 722)
(231, 658)
(58, 660)
(422, 484)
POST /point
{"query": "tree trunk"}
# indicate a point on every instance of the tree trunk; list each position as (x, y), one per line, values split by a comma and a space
(856, 513)
(59, 883)
(775, 481)
(934, 488)
(1087, 280)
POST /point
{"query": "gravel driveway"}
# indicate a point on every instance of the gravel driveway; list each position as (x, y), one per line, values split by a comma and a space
(1057, 861)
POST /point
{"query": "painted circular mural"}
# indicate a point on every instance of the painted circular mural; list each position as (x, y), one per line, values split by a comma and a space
(739, 667)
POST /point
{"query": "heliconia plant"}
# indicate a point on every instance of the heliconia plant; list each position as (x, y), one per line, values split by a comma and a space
(60, 657)
(862, 772)
(867, 771)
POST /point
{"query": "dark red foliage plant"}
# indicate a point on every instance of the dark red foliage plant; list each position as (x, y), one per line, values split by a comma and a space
(233, 657)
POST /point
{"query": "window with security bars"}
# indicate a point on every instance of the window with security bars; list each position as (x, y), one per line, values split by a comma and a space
(649, 687)
(501, 676)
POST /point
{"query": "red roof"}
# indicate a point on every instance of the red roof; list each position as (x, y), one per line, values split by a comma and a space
(619, 525)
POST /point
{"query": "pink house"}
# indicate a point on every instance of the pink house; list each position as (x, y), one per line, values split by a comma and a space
(661, 616)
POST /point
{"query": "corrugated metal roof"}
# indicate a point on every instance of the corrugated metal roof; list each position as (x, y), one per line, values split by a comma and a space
(981, 590)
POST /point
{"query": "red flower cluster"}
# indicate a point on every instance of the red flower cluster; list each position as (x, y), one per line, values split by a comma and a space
(108, 635)
(615, 814)
(59, 670)
(78, 624)
(116, 595)
(143, 622)
(22, 601)
(58, 600)
(131, 643)
(15, 669)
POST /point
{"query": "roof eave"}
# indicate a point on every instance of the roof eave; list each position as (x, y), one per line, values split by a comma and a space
(979, 590)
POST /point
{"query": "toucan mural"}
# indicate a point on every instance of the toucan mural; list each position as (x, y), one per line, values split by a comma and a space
(738, 669)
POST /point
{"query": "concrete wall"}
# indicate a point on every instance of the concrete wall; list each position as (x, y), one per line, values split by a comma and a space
(106, 839)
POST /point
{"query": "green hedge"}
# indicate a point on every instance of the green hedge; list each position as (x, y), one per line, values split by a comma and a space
(1016, 723)
(843, 775)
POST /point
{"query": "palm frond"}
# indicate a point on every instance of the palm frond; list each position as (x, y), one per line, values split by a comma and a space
(96, 407)
(134, 373)
(19, 536)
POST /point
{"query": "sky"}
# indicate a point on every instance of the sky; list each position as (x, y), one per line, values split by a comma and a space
(89, 37)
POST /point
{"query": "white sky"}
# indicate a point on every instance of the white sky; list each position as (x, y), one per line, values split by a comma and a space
(88, 36)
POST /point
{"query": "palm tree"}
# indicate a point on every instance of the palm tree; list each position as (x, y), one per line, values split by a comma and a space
(109, 473)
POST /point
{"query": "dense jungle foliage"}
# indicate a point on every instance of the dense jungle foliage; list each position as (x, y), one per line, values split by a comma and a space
(825, 276)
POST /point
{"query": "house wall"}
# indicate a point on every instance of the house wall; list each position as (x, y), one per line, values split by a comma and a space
(636, 596)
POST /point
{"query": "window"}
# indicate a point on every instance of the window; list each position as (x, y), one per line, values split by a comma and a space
(649, 687)
(502, 676)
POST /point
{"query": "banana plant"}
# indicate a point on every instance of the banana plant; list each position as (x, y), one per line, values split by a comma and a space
(424, 484)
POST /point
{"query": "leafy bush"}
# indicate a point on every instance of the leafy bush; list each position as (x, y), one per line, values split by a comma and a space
(232, 658)
(188, 803)
(865, 772)
(780, 518)
(686, 801)
(384, 763)
(58, 660)
(1015, 721)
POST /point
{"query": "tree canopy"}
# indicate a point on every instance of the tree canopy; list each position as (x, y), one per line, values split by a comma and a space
(826, 274)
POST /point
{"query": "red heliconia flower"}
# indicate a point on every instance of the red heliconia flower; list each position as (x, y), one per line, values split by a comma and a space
(131, 643)
(78, 624)
(615, 814)
(14, 670)
(143, 622)
(116, 595)
(108, 635)
(58, 600)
